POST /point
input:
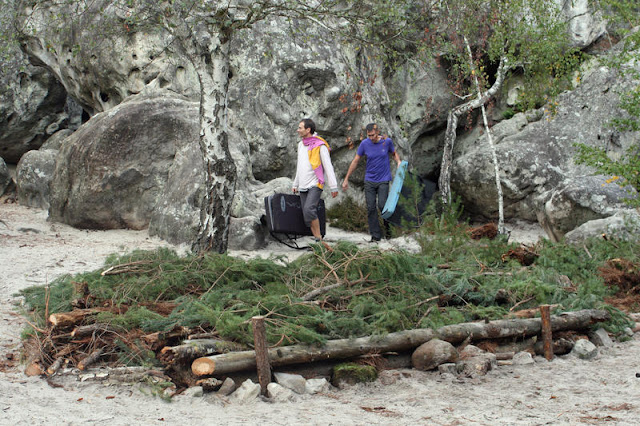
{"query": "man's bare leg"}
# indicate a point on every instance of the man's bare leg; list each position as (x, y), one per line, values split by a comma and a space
(315, 230)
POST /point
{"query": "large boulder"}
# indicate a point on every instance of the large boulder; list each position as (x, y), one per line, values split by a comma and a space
(539, 176)
(111, 172)
(35, 171)
(623, 225)
(33, 177)
(579, 200)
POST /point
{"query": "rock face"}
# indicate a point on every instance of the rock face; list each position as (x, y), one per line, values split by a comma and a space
(5, 177)
(111, 172)
(584, 28)
(136, 163)
(32, 108)
(539, 177)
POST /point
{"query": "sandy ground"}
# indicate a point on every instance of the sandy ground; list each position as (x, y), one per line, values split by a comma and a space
(565, 391)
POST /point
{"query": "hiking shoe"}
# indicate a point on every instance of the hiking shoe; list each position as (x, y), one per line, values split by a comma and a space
(374, 240)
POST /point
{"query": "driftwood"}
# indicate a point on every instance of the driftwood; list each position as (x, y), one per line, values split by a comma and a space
(400, 341)
(191, 349)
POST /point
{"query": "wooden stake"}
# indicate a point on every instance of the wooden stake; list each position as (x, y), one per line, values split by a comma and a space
(547, 339)
(262, 354)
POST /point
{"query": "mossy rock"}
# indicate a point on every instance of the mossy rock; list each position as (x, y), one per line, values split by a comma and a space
(351, 373)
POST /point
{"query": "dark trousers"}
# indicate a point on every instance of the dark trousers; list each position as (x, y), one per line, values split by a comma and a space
(373, 190)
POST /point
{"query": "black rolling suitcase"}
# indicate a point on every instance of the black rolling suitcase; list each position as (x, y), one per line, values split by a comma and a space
(284, 216)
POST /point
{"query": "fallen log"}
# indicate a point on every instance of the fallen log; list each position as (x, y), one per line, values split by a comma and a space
(400, 341)
(191, 349)
(499, 329)
(342, 348)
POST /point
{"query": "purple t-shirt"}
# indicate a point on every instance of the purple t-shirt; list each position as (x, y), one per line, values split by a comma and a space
(378, 169)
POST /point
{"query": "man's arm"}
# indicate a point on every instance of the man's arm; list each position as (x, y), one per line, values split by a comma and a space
(396, 157)
(328, 170)
(352, 168)
(296, 179)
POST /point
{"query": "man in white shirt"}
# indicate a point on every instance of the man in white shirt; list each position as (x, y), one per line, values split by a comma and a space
(314, 165)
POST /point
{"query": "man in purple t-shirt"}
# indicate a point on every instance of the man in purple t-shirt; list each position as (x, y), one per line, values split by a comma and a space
(377, 175)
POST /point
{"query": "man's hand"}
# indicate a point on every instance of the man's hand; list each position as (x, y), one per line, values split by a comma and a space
(345, 185)
(334, 194)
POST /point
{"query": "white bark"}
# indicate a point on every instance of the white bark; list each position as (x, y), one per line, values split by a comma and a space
(492, 147)
(211, 62)
(452, 124)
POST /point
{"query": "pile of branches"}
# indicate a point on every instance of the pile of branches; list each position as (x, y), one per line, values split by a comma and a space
(160, 309)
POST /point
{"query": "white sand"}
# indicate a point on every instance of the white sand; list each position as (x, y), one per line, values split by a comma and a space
(565, 391)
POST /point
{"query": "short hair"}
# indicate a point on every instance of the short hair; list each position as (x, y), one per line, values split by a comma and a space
(309, 124)
(371, 126)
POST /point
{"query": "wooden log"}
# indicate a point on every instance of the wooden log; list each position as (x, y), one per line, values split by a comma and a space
(262, 356)
(191, 349)
(89, 330)
(499, 329)
(342, 348)
(33, 369)
(92, 358)
(73, 318)
(53, 368)
(67, 319)
(547, 339)
(400, 341)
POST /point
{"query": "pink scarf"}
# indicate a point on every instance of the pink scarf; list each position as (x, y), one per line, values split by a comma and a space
(313, 144)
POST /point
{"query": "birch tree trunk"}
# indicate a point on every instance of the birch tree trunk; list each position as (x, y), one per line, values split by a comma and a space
(492, 147)
(444, 182)
(211, 62)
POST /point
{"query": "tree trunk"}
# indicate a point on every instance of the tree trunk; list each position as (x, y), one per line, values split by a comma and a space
(343, 348)
(396, 342)
(211, 62)
(500, 329)
(492, 147)
(444, 182)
